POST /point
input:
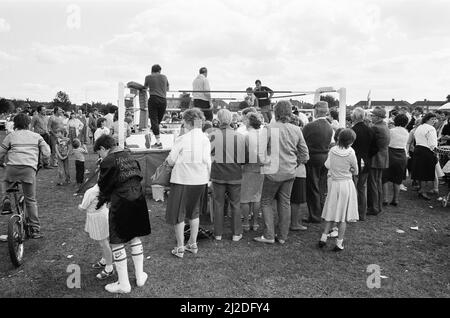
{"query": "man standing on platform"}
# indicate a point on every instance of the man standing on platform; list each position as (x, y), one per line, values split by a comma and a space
(318, 136)
(263, 95)
(158, 86)
(201, 94)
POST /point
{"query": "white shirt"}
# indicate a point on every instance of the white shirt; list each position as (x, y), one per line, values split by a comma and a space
(109, 120)
(90, 200)
(191, 154)
(250, 99)
(300, 172)
(426, 136)
(399, 138)
(101, 131)
(242, 129)
(201, 83)
(76, 123)
(303, 118)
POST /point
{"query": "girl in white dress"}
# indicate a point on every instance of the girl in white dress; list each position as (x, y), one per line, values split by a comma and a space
(341, 205)
(98, 229)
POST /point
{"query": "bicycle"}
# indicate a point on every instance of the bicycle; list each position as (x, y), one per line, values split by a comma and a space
(18, 227)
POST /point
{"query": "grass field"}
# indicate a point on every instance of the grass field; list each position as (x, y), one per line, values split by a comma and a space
(414, 264)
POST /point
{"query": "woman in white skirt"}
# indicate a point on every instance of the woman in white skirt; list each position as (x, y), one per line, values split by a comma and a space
(341, 205)
(98, 229)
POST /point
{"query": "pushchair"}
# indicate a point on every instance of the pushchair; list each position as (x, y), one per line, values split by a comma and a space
(445, 151)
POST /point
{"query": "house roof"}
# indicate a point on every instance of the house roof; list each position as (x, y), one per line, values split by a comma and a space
(428, 103)
(399, 103)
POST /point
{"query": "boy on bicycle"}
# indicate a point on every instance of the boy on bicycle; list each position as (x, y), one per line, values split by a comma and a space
(22, 148)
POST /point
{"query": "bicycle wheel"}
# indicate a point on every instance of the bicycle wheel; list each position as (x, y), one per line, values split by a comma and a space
(25, 222)
(15, 240)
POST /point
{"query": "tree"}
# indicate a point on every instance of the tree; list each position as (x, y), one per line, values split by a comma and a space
(332, 102)
(6, 106)
(185, 101)
(448, 98)
(62, 100)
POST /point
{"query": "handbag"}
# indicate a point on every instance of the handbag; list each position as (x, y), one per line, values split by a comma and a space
(162, 174)
(439, 172)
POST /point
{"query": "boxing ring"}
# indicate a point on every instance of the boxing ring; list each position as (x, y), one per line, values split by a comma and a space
(148, 158)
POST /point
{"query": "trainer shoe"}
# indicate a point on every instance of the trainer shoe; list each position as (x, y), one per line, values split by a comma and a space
(279, 240)
(6, 207)
(333, 233)
(157, 146)
(36, 235)
(298, 228)
(98, 265)
(262, 239)
(237, 238)
(116, 288)
(403, 188)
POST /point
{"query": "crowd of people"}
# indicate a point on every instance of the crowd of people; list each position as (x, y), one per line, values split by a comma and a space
(60, 142)
(258, 169)
(290, 167)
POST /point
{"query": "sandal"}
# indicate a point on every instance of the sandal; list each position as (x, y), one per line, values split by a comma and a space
(191, 248)
(104, 274)
(178, 251)
(98, 265)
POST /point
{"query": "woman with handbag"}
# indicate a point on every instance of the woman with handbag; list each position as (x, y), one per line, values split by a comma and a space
(191, 160)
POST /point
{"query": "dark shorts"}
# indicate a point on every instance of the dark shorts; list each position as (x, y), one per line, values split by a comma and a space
(128, 214)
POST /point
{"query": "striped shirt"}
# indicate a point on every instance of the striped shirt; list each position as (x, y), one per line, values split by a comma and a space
(22, 147)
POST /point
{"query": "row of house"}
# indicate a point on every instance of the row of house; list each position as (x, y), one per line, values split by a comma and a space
(427, 105)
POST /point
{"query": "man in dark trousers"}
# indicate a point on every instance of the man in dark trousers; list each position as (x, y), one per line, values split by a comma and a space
(379, 162)
(365, 147)
(201, 94)
(318, 135)
(157, 103)
(263, 95)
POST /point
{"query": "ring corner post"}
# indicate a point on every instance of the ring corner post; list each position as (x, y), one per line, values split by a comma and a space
(342, 106)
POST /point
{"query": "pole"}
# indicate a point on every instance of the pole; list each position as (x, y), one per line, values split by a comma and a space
(121, 105)
(342, 106)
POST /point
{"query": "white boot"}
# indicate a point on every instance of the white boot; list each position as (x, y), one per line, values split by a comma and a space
(137, 254)
(120, 260)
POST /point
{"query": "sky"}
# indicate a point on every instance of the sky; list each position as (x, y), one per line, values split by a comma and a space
(397, 49)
